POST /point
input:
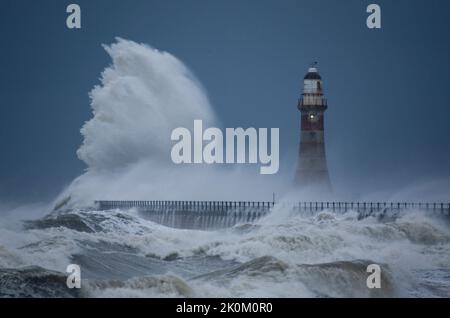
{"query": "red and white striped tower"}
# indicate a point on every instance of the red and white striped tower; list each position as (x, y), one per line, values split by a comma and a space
(312, 168)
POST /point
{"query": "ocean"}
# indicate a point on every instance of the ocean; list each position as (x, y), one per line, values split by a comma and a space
(123, 254)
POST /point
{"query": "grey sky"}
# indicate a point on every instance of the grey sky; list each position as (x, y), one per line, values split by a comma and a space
(387, 125)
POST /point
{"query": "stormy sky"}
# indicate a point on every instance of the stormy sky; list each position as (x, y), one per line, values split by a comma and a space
(387, 126)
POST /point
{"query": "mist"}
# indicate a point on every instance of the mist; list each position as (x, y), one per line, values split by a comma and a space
(143, 95)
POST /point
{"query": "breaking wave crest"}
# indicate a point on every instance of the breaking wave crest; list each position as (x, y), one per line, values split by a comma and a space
(143, 95)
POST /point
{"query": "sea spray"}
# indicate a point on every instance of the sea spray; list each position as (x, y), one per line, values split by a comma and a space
(142, 96)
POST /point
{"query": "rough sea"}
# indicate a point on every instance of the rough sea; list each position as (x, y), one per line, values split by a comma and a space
(122, 254)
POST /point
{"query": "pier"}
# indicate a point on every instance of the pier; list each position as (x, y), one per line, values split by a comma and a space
(222, 214)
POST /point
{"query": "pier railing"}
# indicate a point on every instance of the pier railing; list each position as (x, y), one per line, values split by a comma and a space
(335, 206)
(190, 205)
(218, 214)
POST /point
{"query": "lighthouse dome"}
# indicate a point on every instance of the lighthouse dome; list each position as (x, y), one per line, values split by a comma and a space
(312, 74)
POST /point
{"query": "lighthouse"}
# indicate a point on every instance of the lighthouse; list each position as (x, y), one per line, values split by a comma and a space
(312, 168)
